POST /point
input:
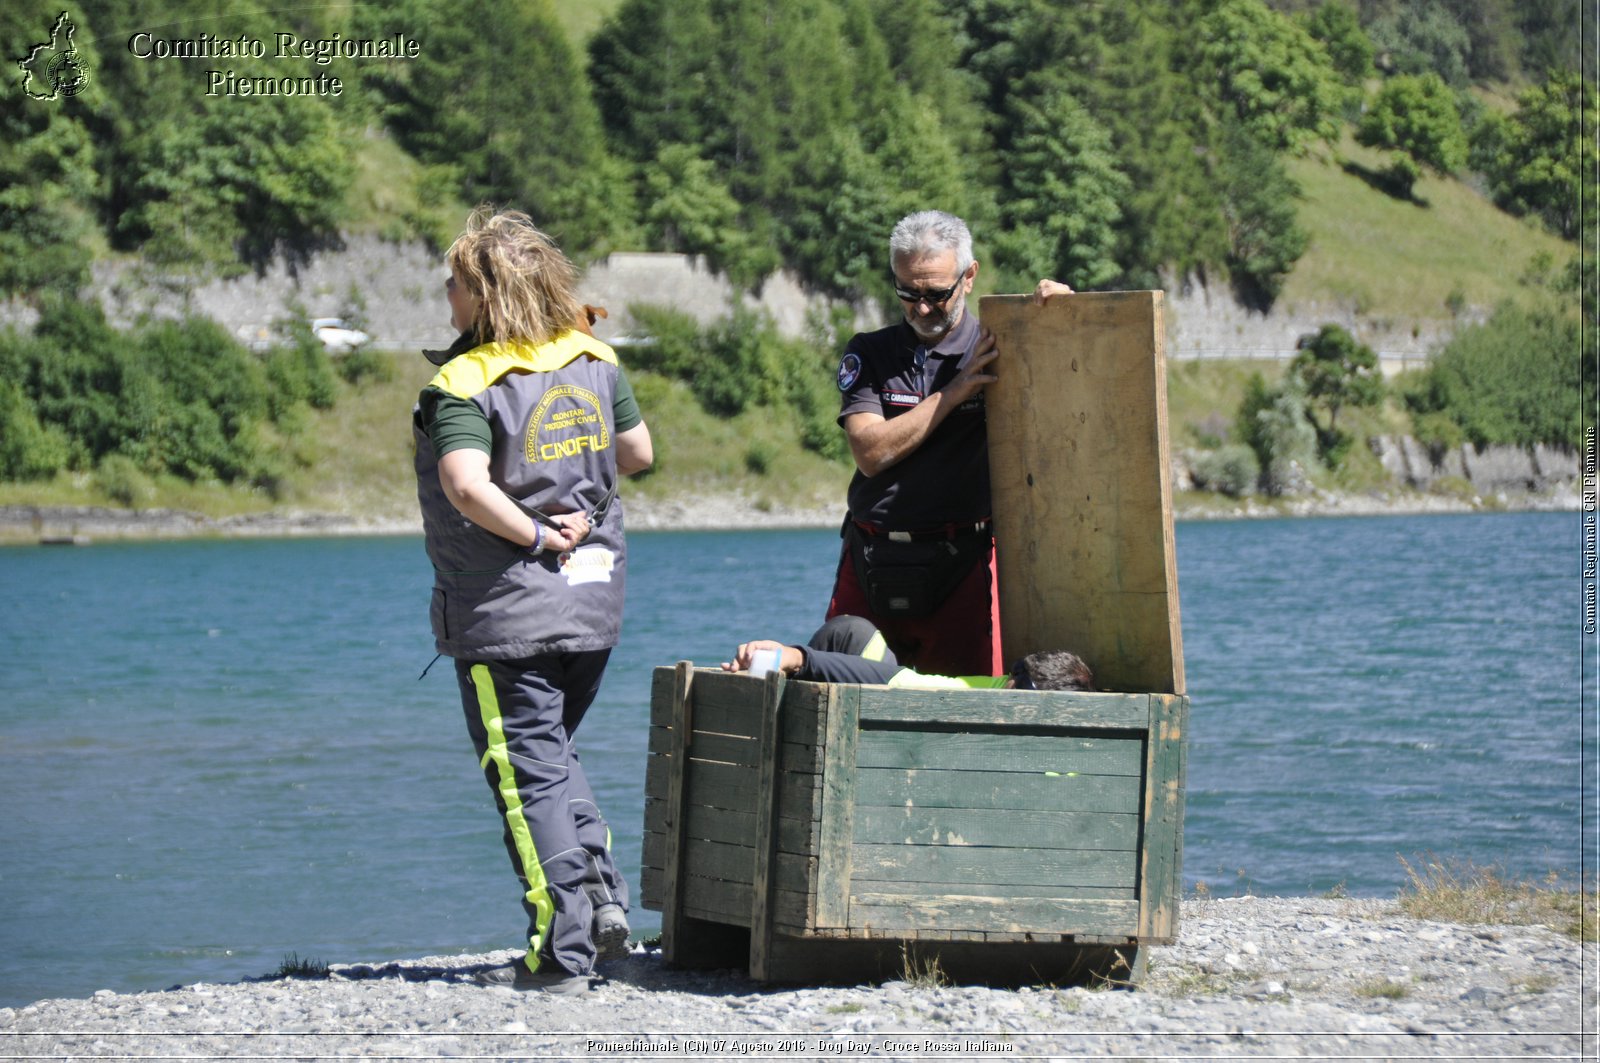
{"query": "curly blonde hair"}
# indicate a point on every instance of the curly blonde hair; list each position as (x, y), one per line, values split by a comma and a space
(525, 286)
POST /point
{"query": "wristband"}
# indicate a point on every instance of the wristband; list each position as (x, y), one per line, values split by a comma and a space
(538, 538)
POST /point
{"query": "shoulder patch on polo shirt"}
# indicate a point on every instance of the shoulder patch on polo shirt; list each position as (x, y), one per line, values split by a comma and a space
(849, 370)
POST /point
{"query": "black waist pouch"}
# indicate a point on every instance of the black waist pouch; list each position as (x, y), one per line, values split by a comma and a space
(912, 579)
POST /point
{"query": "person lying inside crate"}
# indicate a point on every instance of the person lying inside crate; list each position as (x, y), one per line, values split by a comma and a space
(848, 649)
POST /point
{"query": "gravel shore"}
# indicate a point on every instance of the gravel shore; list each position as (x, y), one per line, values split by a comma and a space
(1248, 978)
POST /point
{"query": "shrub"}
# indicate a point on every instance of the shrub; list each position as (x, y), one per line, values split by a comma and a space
(364, 364)
(1509, 380)
(300, 370)
(1232, 470)
(759, 456)
(742, 362)
(180, 397)
(120, 479)
(1274, 423)
(28, 449)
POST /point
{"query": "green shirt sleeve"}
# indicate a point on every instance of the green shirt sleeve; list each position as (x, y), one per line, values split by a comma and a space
(453, 423)
(624, 407)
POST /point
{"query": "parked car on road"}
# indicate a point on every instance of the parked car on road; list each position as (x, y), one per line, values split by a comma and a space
(337, 337)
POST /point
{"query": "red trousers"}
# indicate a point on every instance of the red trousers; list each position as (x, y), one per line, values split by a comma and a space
(960, 637)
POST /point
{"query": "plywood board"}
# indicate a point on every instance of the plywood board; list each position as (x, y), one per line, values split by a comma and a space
(1079, 461)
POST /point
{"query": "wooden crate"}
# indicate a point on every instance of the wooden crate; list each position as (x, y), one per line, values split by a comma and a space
(827, 831)
(836, 831)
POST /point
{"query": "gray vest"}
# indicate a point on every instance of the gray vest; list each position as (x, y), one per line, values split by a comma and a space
(553, 449)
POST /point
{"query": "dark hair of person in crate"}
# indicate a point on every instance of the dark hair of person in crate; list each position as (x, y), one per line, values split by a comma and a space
(1051, 670)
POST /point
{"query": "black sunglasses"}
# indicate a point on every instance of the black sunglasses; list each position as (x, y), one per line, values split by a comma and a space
(932, 298)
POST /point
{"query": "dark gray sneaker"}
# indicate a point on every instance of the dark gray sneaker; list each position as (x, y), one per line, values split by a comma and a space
(609, 930)
(515, 975)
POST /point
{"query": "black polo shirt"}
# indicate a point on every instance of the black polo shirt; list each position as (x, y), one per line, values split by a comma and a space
(946, 479)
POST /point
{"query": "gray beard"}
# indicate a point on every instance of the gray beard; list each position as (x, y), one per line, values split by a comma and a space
(948, 321)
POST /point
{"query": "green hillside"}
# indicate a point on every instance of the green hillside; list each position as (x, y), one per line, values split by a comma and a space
(1398, 260)
(1320, 161)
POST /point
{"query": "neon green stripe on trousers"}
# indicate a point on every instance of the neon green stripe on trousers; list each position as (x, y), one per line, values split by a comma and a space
(521, 833)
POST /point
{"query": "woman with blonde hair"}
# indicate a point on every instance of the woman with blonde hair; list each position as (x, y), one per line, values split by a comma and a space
(520, 440)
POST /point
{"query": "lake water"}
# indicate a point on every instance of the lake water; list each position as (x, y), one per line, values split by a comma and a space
(216, 754)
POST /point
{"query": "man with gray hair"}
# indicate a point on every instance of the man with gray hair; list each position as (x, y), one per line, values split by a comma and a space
(918, 555)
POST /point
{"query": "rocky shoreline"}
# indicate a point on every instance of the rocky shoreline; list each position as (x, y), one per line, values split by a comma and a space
(79, 524)
(1248, 978)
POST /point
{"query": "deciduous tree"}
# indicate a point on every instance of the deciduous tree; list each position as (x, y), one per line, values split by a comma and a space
(1277, 78)
(1416, 116)
(1339, 372)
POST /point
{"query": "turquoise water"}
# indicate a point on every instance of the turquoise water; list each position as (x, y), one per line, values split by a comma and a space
(216, 754)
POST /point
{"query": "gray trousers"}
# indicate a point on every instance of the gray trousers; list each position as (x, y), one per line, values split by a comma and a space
(522, 715)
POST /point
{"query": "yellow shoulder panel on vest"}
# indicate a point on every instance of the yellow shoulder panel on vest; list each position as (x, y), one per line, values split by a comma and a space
(471, 372)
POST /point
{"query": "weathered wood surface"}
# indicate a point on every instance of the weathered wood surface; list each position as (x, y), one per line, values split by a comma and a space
(1162, 854)
(767, 861)
(900, 912)
(792, 812)
(675, 867)
(975, 752)
(1004, 708)
(837, 793)
(1079, 460)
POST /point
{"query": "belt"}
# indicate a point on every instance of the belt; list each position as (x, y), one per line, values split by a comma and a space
(944, 532)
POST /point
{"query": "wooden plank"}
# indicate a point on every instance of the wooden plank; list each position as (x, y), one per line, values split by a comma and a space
(1079, 471)
(734, 749)
(1026, 833)
(998, 709)
(794, 912)
(726, 749)
(838, 808)
(805, 711)
(673, 925)
(730, 703)
(719, 785)
(663, 679)
(1160, 876)
(947, 867)
(900, 912)
(999, 752)
(766, 825)
(728, 786)
(796, 836)
(717, 900)
(1001, 891)
(1055, 792)
(719, 860)
(796, 793)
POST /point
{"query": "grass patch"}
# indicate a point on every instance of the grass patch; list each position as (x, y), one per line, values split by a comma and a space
(294, 967)
(1539, 983)
(1399, 261)
(756, 454)
(1203, 397)
(845, 1009)
(1196, 983)
(364, 447)
(1383, 989)
(1458, 892)
(922, 972)
(580, 18)
(398, 197)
